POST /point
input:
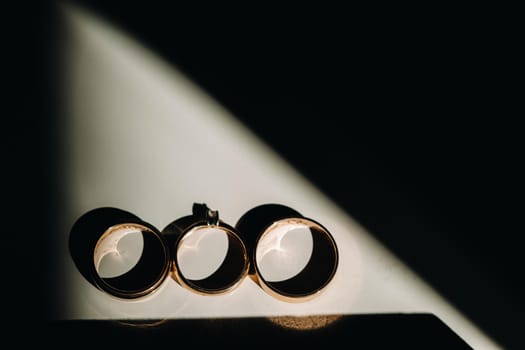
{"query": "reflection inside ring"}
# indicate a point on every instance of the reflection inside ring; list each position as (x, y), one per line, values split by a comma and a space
(210, 259)
(118, 250)
(201, 252)
(284, 250)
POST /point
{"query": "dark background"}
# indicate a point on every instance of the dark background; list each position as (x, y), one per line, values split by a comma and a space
(407, 115)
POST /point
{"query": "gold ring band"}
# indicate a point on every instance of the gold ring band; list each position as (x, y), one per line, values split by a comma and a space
(232, 270)
(98, 232)
(261, 221)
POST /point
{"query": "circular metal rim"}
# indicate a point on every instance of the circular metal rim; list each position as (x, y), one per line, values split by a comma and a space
(230, 286)
(282, 295)
(102, 284)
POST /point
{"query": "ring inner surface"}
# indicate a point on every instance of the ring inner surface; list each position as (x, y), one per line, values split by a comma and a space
(211, 259)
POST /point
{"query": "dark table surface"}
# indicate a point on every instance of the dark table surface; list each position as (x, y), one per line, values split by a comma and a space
(378, 331)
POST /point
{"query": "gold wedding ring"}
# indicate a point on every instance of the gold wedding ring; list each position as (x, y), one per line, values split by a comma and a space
(269, 223)
(234, 266)
(97, 235)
